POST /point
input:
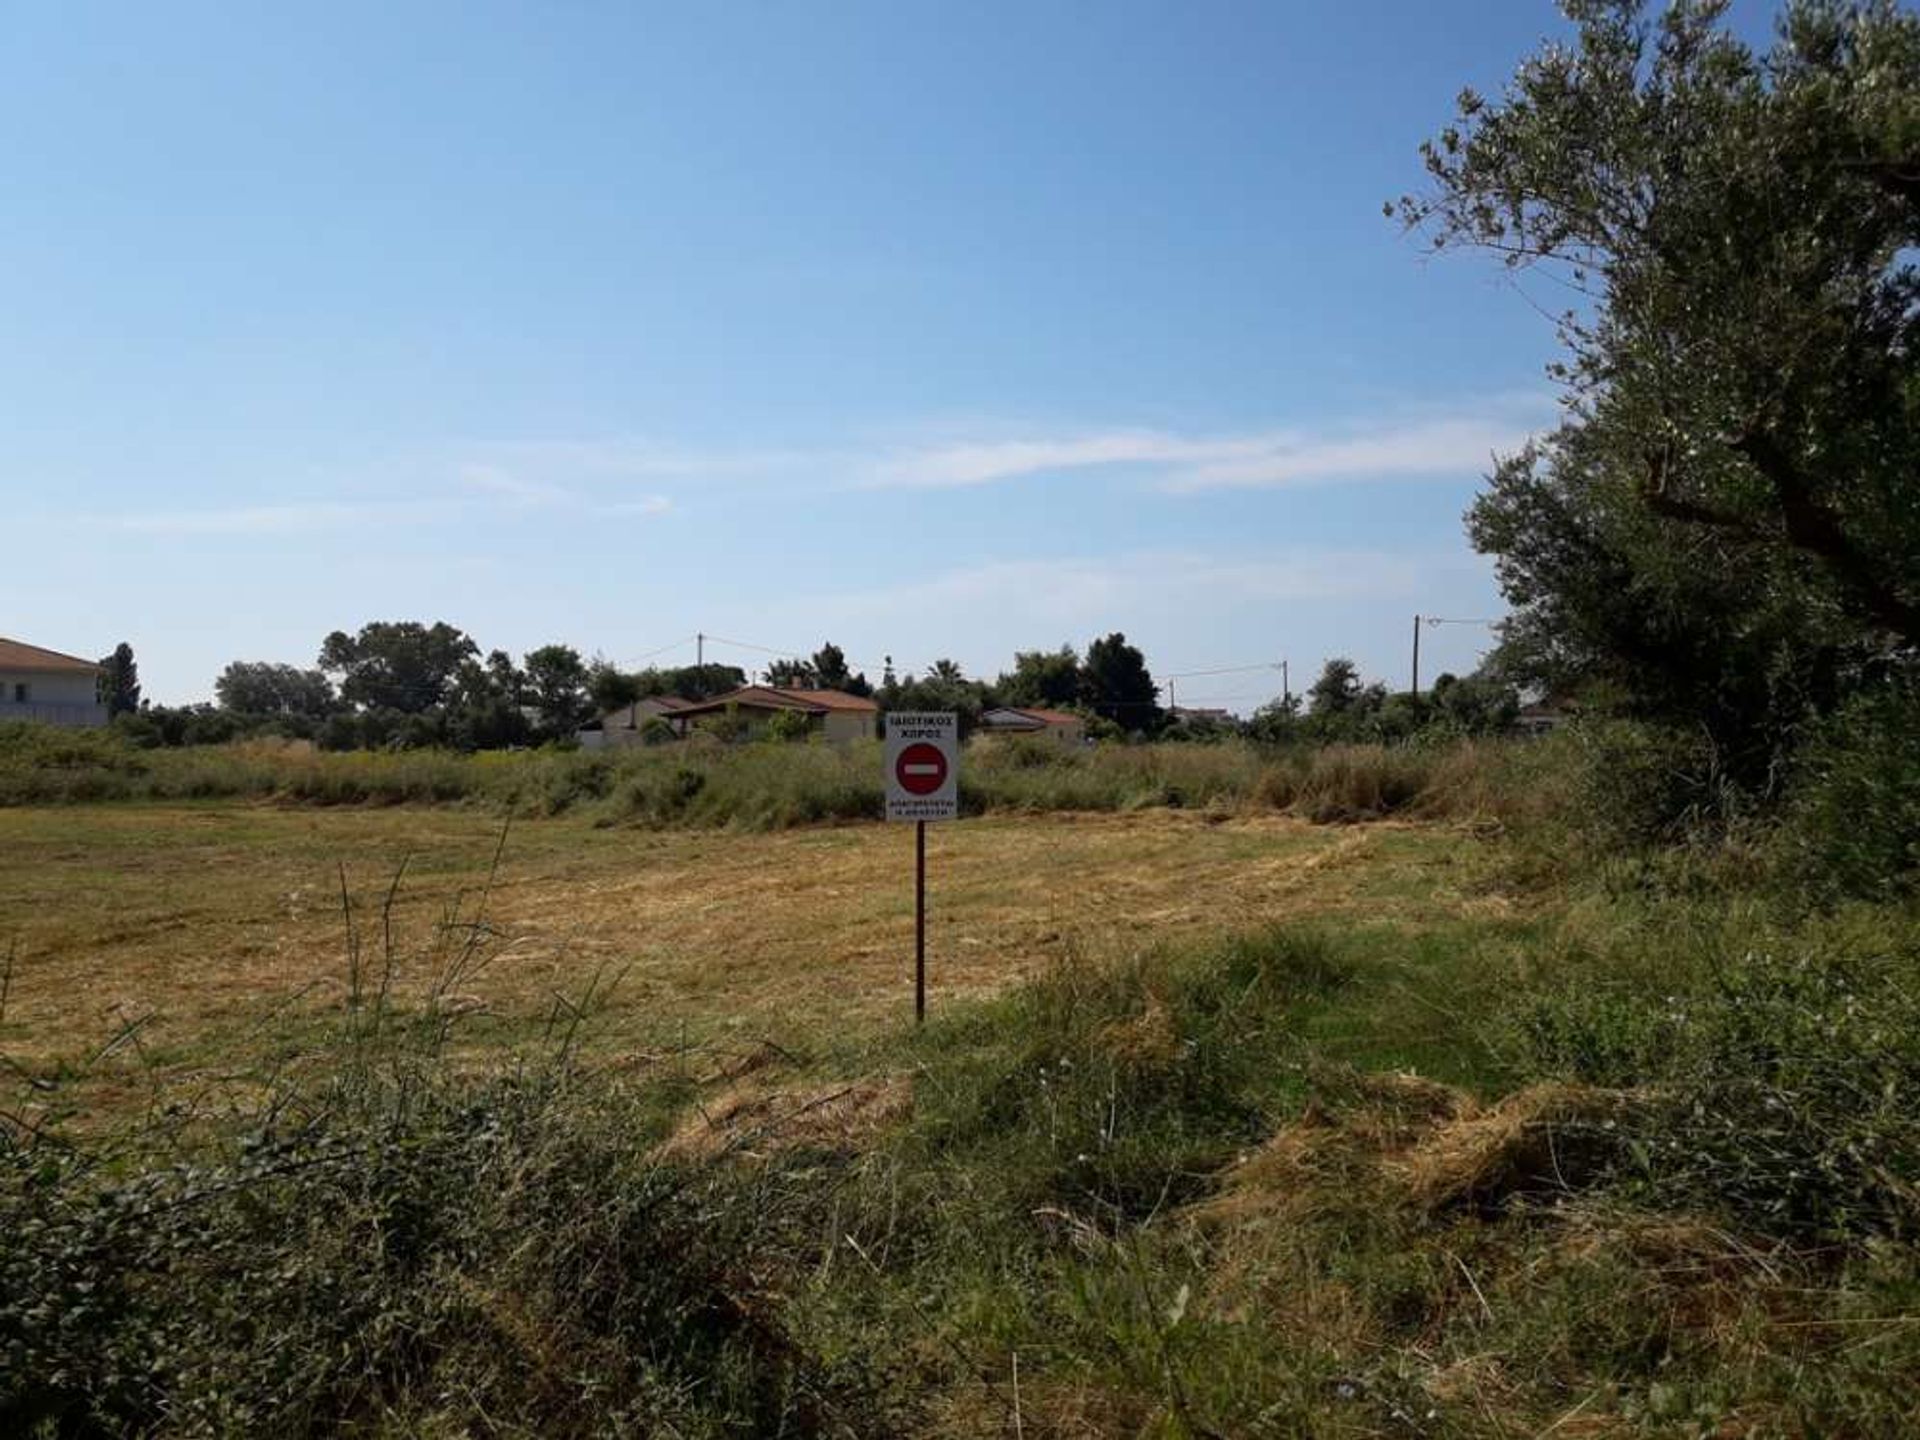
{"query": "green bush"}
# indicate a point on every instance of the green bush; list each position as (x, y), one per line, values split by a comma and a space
(1783, 1091)
(1853, 820)
(1124, 1088)
(766, 786)
(1638, 785)
(411, 1250)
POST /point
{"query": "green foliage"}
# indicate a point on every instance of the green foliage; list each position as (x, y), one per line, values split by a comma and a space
(943, 688)
(1853, 826)
(1639, 786)
(399, 1246)
(398, 665)
(611, 688)
(1047, 678)
(1120, 1089)
(1337, 690)
(692, 682)
(1116, 685)
(120, 681)
(791, 674)
(556, 681)
(763, 787)
(1723, 530)
(263, 688)
(788, 727)
(1785, 1090)
(1480, 704)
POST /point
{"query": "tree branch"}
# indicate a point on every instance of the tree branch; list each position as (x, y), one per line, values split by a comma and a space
(1814, 528)
(1662, 501)
(1899, 178)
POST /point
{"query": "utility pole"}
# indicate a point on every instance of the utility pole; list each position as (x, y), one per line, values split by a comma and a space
(700, 650)
(1416, 655)
(1173, 701)
(1286, 690)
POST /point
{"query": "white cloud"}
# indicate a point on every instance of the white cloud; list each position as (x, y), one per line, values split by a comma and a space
(645, 505)
(586, 476)
(988, 462)
(484, 490)
(1392, 448)
(299, 517)
(1438, 447)
(1068, 595)
(506, 485)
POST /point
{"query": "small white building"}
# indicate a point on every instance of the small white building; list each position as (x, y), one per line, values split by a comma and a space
(47, 686)
(618, 729)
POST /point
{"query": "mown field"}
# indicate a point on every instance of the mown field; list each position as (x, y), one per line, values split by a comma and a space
(451, 1119)
(207, 924)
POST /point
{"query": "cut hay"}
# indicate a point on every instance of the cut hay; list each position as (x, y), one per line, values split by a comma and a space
(754, 1122)
(1144, 1039)
(1544, 1140)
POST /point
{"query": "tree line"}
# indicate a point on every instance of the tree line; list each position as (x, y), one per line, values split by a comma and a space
(408, 684)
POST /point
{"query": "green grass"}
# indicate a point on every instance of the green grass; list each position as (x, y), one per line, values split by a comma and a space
(1494, 1135)
(1177, 1193)
(773, 786)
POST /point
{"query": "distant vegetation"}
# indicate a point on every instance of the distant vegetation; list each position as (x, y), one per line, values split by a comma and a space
(405, 685)
(768, 784)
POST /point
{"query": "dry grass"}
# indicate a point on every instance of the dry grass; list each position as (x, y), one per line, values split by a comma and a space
(1540, 1139)
(752, 1121)
(196, 922)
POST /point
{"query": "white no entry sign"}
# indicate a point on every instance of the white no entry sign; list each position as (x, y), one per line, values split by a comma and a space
(923, 765)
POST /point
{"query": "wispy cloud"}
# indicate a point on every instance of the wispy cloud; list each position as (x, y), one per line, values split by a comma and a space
(1070, 593)
(1438, 447)
(298, 517)
(645, 505)
(478, 491)
(627, 477)
(1393, 448)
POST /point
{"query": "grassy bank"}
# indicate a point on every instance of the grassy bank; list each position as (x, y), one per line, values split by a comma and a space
(1195, 1192)
(770, 786)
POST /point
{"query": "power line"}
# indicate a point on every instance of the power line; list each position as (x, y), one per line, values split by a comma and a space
(651, 654)
(1227, 670)
(861, 665)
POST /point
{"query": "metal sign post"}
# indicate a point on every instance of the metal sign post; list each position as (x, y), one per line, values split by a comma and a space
(923, 784)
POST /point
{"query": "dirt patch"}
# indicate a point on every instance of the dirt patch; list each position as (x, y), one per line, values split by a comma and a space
(753, 1121)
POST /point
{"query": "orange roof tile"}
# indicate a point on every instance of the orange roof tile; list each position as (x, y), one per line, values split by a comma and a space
(768, 697)
(1054, 717)
(18, 655)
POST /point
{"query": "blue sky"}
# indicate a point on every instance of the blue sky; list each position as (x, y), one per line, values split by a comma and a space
(929, 329)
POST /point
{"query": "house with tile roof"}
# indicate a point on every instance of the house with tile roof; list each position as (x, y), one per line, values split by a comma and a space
(832, 714)
(629, 725)
(48, 686)
(1060, 725)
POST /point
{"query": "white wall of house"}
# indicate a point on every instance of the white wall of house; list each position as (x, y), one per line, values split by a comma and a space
(842, 726)
(53, 697)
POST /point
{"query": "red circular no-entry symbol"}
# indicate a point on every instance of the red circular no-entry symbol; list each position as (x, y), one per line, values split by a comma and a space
(921, 769)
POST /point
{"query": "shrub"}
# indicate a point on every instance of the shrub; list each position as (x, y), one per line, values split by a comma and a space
(1853, 821)
(408, 1252)
(1124, 1087)
(1787, 1089)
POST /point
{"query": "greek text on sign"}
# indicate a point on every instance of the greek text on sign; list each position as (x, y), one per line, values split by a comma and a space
(923, 765)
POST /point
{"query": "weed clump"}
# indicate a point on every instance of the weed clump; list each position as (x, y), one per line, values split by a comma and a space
(1786, 1088)
(400, 1251)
